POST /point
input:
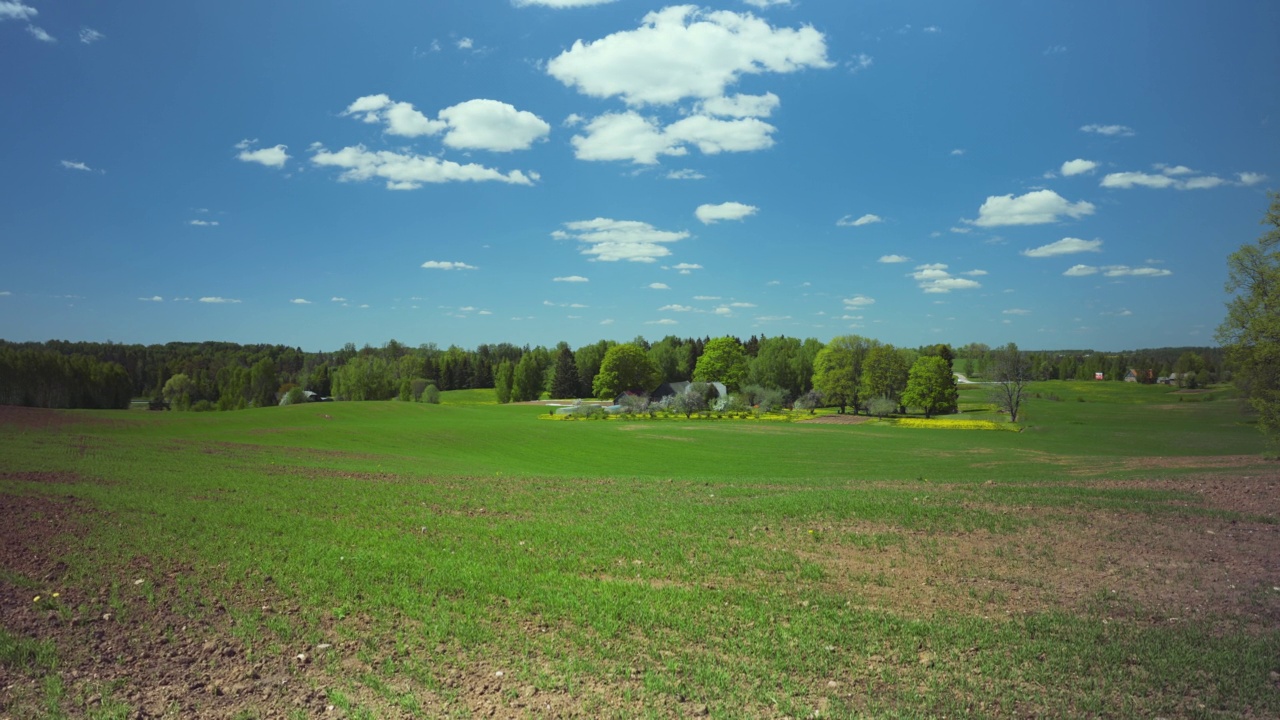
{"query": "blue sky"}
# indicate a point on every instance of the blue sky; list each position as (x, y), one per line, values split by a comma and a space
(1058, 174)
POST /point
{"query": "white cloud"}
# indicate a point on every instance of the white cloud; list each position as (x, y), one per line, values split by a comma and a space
(275, 157)
(1168, 178)
(868, 219)
(1015, 311)
(961, 230)
(1065, 246)
(860, 62)
(1131, 179)
(1250, 178)
(14, 10)
(571, 279)
(683, 52)
(300, 301)
(741, 304)
(958, 152)
(675, 308)
(710, 214)
(218, 300)
(40, 34)
(88, 36)
(658, 286)
(663, 321)
(685, 174)
(203, 223)
(686, 268)
(1109, 130)
(153, 298)
(894, 259)
(74, 165)
(1056, 50)
(934, 278)
(1034, 208)
(447, 265)
(933, 29)
(772, 318)
(491, 125)
(858, 301)
(1202, 183)
(741, 105)
(610, 240)
(478, 124)
(706, 297)
(1080, 271)
(1077, 167)
(631, 136)
(409, 171)
(337, 299)
(1126, 271)
(560, 3)
(465, 43)
(762, 4)
(975, 273)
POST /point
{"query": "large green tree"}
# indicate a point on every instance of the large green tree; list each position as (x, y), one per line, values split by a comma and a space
(930, 385)
(625, 367)
(1251, 330)
(722, 360)
(885, 373)
(837, 370)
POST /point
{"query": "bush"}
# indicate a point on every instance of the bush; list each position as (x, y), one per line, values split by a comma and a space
(295, 396)
(881, 406)
(431, 394)
(809, 401)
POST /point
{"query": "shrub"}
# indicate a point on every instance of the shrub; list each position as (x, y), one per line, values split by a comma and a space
(295, 396)
(431, 394)
(881, 406)
(809, 401)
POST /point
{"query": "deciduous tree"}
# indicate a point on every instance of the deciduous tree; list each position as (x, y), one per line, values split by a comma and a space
(1010, 370)
(625, 367)
(1251, 330)
(722, 360)
(930, 385)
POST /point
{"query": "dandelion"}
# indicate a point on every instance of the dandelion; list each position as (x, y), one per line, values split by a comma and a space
(55, 595)
(36, 599)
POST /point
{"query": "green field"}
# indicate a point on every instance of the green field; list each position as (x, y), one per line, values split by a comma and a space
(1119, 557)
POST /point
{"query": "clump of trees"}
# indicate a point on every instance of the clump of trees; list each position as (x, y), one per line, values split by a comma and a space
(1251, 330)
(46, 379)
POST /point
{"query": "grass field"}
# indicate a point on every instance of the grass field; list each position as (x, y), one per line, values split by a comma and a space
(1119, 557)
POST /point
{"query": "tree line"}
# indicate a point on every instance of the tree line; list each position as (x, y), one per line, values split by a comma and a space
(852, 373)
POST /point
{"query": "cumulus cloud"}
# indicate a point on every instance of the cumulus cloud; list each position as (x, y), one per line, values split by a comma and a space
(1065, 246)
(686, 268)
(14, 10)
(860, 62)
(683, 52)
(447, 265)
(1128, 180)
(571, 279)
(740, 105)
(1250, 178)
(337, 299)
(1108, 130)
(675, 308)
(706, 297)
(88, 36)
(685, 174)
(642, 140)
(275, 156)
(1077, 167)
(663, 321)
(611, 240)
(479, 124)
(203, 223)
(1201, 183)
(75, 165)
(1034, 208)
(300, 301)
(153, 298)
(658, 286)
(218, 300)
(762, 4)
(894, 259)
(858, 301)
(935, 278)
(1080, 271)
(850, 221)
(709, 214)
(408, 171)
